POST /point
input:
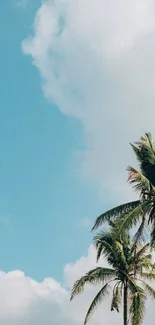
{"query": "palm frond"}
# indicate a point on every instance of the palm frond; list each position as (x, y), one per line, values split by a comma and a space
(138, 298)
(98, 298)
(121, 250)
(95, 276)
(104, 244)
(152, 235)
(132, 285)
(136, 151)
(142, 252)
(140, 259)
(148, 276)
(141, 232)
(109, 244)
(116, 298)
(138, 307)
(130, 220)
(144, 263)
(152, 214)
(115, 212)
(145, 153)
(149, 290)
(138, 180)
(151, 143)
(145, 149)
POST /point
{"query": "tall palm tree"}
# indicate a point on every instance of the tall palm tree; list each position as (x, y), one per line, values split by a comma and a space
(129, 270)
(141, 211)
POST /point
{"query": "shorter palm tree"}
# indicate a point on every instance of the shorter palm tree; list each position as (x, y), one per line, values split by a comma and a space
(129, 270)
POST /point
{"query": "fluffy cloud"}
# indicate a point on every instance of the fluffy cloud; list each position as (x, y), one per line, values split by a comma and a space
(97, 64)
(23, 300)
(27, 302)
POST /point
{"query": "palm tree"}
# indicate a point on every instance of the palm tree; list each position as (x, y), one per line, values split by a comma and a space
(141, 211)
(129, 270)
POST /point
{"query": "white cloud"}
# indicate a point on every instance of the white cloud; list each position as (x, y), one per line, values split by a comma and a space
(97, 64)
(27, 302)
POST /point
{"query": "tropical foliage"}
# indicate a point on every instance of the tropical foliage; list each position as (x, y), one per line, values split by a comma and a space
(130, 268)
(141, 211)
(130, 262)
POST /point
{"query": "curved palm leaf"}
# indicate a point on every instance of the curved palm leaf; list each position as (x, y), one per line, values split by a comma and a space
(131, 219)
(115, 212)
(116, 298)
(145, 153)
(138, 307)
(152, 239)
(109, 245)
(152, 215)
(104, 244)
(148, 276)
(137, 297)
(138, 180)
(98, 298)
(121, 251)
(151, 144)
(142, 252)
(145, 149)
(97, 275)
(149, 290)
(141, 232)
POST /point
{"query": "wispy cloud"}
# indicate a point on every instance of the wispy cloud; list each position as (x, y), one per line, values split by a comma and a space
(97, 63)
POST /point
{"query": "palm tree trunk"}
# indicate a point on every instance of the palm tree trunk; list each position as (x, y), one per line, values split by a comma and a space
(125, 307)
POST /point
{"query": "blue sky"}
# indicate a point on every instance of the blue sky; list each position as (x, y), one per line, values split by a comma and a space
(73, 96)
(43, 203)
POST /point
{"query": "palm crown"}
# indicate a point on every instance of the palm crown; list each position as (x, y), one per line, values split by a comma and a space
(145, 153)
(129, 269)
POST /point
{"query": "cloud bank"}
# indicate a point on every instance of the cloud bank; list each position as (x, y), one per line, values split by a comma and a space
(27, 302)
(96, 60)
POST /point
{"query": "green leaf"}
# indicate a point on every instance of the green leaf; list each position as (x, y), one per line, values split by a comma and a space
(104, 244)
(138, 307)
(95, 276)
(138, 298)
(120, 247)
(141, 231)
(109, 245)
(138, 180)
(131, 219)
(98, 298)
(115, 212)
(142, 252)
(116, 298)
(152, 240)
(150, 290)
(148, 276)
